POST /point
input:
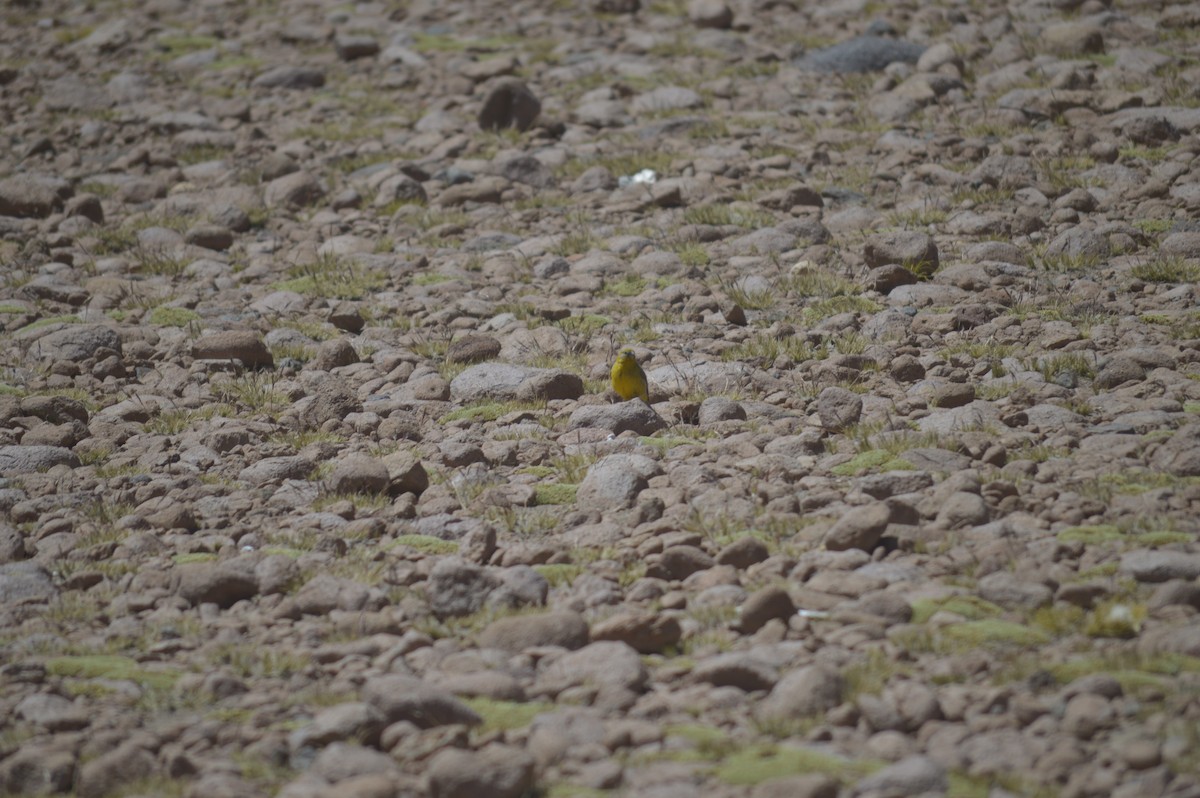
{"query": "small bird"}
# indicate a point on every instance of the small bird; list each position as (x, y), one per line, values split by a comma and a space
(628, 379)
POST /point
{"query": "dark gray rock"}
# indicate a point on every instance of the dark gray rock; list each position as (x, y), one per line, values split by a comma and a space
(406, 698)
(862, 54)
(509, 103)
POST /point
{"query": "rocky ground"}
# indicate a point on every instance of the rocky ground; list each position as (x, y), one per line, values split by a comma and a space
(312, 480)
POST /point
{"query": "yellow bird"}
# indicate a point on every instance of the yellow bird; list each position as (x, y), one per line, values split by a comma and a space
(628, 379)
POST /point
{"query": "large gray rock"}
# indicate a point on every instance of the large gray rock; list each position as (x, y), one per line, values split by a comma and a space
(509, 103)
(517, 633)
(244, 345)
(32, 459)
(1147, 565)
(496, 771)
(76, 342)
(803, 692)
(634, 415)
(506, 382)
(221, 583)
(606, 662)
(33, 195)
(456, 587)
(25, 583)
(859, 528)
(406, 698)
(614, 482)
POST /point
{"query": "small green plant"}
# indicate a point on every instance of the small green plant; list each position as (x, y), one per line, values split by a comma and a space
(558, 574)
(1165, 270)
(742, 215)
(1054, 367)
(332, 276)
(765, 348)
(424, 543)
(163, 316)
(254, 390)
(555, 493)
(501, 715)
(692, 254)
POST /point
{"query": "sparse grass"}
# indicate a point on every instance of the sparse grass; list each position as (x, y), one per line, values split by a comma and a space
(333, 277)
(172, 317)
(871, 460)
(630, 285)
(364, 503)
(253, 390)
(247, 660)
(824, 308)
(1153, 227)
(812, 282)
(50, 321)
(916, 217)
(1134, 670)
(1165, 270)
(490, 411)
(1064, 262)
(870, 676)
(298, 439)
(529, 523)
(576, 242)
(755, 764)
(750, 294)
(124, 238)
(745, 216)
(970, 607)
(572, 468)
(427, 544)
(1062, 172)
(764, 349)
(555, 493)
(1151, 154)
(692, 254)
(505, 715)
(201, 153)
(559, 574)
(111, 666)
(625, 163)
(1054, 367)
(993, 634)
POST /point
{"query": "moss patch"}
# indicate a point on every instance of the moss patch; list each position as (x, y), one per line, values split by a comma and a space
(875, 459)
(559, 573)
(555, 493)
(994, 632)
(970, 607)
(195, 556)
(505, 715)
(759, 763)
(173, 317)
(1097, 533)
(110, 666)
(427, 544)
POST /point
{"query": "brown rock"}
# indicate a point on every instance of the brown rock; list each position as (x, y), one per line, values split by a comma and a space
(649, 633)
(107, 772)
(743, 552)
(496, 771)
(859, 528)
(472, 349)
(763, 605)
(406, 698)
(244, 345)
(509, 103)
(679, 562)
(519, 632)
